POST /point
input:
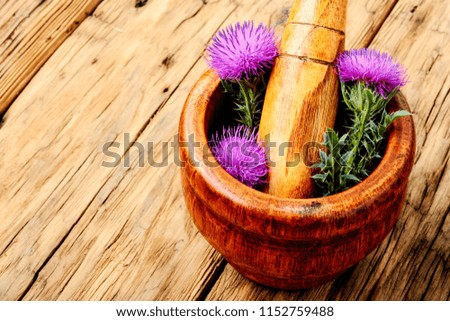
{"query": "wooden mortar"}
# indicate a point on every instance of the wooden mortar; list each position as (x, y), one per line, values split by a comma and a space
(281, 242)
(302, 94)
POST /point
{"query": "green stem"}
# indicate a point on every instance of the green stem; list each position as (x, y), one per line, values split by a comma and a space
(364, 107)
(248, 113)
(332, 163)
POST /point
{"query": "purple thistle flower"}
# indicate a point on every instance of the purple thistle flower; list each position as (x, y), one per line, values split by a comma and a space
(372, 67)
(242, 51)
(239, 153)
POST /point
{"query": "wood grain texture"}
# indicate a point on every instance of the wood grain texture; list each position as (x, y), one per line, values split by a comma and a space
(330, 14)
(302, 94)
(413, 263)
(30, 32)
(107, 81)
(72, 229)
(366, 18)
(122, 91)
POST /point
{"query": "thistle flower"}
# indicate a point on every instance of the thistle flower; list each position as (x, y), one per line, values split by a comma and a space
(239, 153)
(375, 69)
(242, 51)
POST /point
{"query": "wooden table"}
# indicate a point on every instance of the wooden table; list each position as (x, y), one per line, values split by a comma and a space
(81, 76)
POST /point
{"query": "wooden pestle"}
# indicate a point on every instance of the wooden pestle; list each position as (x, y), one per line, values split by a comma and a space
(302, 94)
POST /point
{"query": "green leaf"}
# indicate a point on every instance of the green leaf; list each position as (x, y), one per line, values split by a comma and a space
(320, 177)
(351, 177)
(343, 139)
(323, 155)
(399, 113)
(346, 156)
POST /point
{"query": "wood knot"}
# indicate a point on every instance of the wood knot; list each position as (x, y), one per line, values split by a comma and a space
(168, 61)
(140, 3)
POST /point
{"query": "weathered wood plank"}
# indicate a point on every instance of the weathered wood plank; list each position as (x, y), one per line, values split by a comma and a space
(151, 249)
(60, 183)
(107, 79)
(413, 262)
(366, 18)
(76, 230)
(132, 245)
(176, 277)
(30, 32)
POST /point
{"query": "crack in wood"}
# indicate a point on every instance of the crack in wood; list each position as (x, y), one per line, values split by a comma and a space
(306, 59)
(316, 26)
(11, 93)
(377, 28)
(429, 246)
(217, 272)
(117, 237)
(57, 247)
(36, 274)
(427, 288)
(434, 106)
(190, 17)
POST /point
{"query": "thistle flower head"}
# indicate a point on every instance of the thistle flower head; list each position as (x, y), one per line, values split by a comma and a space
(242, 51)
(372, 67)
(239, 153)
